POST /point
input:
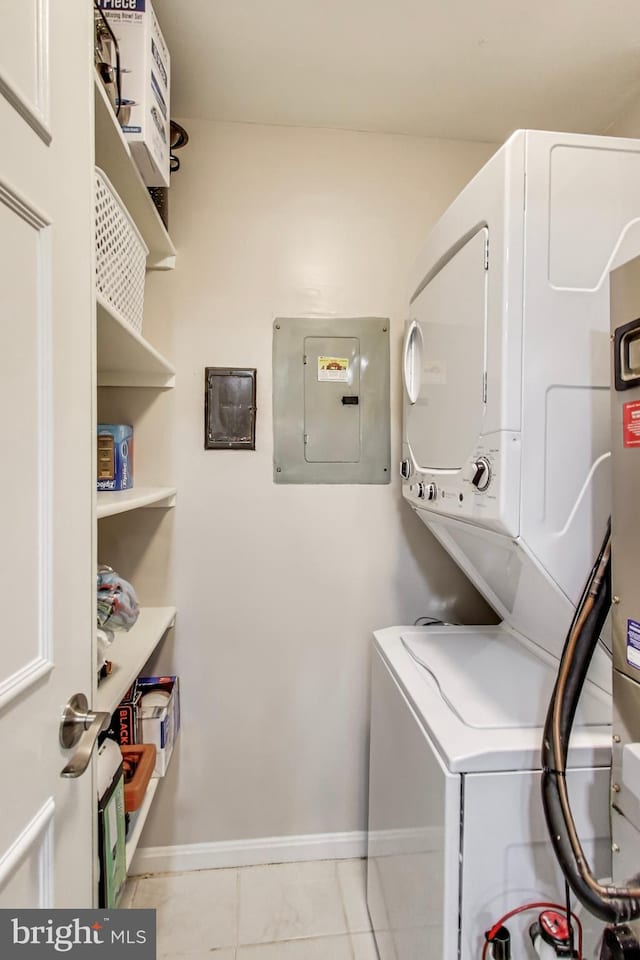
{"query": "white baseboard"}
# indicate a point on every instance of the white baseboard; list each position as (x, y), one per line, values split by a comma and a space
(245, 853)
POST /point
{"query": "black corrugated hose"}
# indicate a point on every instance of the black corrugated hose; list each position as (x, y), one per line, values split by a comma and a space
(611, 903)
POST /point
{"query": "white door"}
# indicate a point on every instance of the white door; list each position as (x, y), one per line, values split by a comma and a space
(46, 400)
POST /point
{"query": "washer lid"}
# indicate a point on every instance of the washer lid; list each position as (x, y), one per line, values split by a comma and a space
(495, 682)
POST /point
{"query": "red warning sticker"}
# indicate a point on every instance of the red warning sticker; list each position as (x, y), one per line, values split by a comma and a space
(631, 423)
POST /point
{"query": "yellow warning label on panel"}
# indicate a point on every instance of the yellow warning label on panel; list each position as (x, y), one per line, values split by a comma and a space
(333, 369)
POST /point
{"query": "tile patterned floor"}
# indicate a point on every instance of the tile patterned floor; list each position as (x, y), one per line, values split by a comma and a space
(290, 911)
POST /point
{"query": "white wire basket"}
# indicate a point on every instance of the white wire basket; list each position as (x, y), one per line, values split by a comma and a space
(121, 254)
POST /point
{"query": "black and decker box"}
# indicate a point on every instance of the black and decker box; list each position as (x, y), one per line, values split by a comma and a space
(126, 721)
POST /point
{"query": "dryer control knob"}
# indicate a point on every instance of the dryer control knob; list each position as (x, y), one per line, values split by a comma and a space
(405, 469)
(425, 491)
(431, 491)
(481, 473)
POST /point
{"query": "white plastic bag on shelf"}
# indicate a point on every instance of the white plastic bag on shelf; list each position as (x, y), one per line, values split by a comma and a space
(104, 641)
(117, 602)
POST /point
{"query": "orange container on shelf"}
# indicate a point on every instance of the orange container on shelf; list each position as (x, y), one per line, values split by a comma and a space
(138, 761)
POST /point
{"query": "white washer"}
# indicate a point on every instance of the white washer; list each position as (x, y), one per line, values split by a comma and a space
(456, 830)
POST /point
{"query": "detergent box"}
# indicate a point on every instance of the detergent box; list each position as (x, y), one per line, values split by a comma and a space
(145, 85)
(115, 456)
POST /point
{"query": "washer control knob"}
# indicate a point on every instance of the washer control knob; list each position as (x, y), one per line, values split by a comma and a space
(481, 473)
(405, 469)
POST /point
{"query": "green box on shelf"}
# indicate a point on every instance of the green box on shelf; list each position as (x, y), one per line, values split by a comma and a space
(111, 841)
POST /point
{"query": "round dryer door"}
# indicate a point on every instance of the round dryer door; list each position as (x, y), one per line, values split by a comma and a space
(412, 362)
(444, 361)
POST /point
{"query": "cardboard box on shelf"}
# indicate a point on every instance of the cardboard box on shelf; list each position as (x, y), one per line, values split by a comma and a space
(145, 85)
(159, 709)
(111, 824)
(126, 722)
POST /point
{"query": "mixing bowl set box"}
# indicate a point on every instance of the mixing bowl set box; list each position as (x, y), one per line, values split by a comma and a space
(145, 86)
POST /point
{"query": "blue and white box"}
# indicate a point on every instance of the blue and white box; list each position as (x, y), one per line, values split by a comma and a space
(160, 712)
(115, 456)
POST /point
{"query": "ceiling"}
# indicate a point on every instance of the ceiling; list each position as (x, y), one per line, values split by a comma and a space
(462, 69)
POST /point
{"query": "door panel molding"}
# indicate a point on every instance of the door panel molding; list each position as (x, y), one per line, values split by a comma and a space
(21, 680)
(13, 199)
(36, 667)
(36, 114)
(36, 838)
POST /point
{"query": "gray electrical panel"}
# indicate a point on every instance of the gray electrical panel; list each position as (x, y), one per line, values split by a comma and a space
(331, 400)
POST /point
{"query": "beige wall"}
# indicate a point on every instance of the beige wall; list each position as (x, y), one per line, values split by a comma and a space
(275, 611)
(628, 125)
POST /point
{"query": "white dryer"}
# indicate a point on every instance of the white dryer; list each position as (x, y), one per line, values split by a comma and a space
(506, 461)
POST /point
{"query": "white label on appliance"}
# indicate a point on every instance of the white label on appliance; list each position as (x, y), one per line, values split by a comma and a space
(633, 643)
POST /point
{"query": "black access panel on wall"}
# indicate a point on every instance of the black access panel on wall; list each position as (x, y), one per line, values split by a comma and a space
(331, 400)
(229, 408)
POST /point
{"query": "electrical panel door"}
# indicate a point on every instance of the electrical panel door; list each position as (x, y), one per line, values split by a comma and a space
(331, 400)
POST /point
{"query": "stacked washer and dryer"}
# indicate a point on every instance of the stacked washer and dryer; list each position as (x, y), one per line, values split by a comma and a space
(506, 460)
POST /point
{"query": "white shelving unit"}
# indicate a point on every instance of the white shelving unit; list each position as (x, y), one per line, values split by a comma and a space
(120, 501)
(125, 358)
(138, 820)
(130, 651)
(114, 157)
(128, 654)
